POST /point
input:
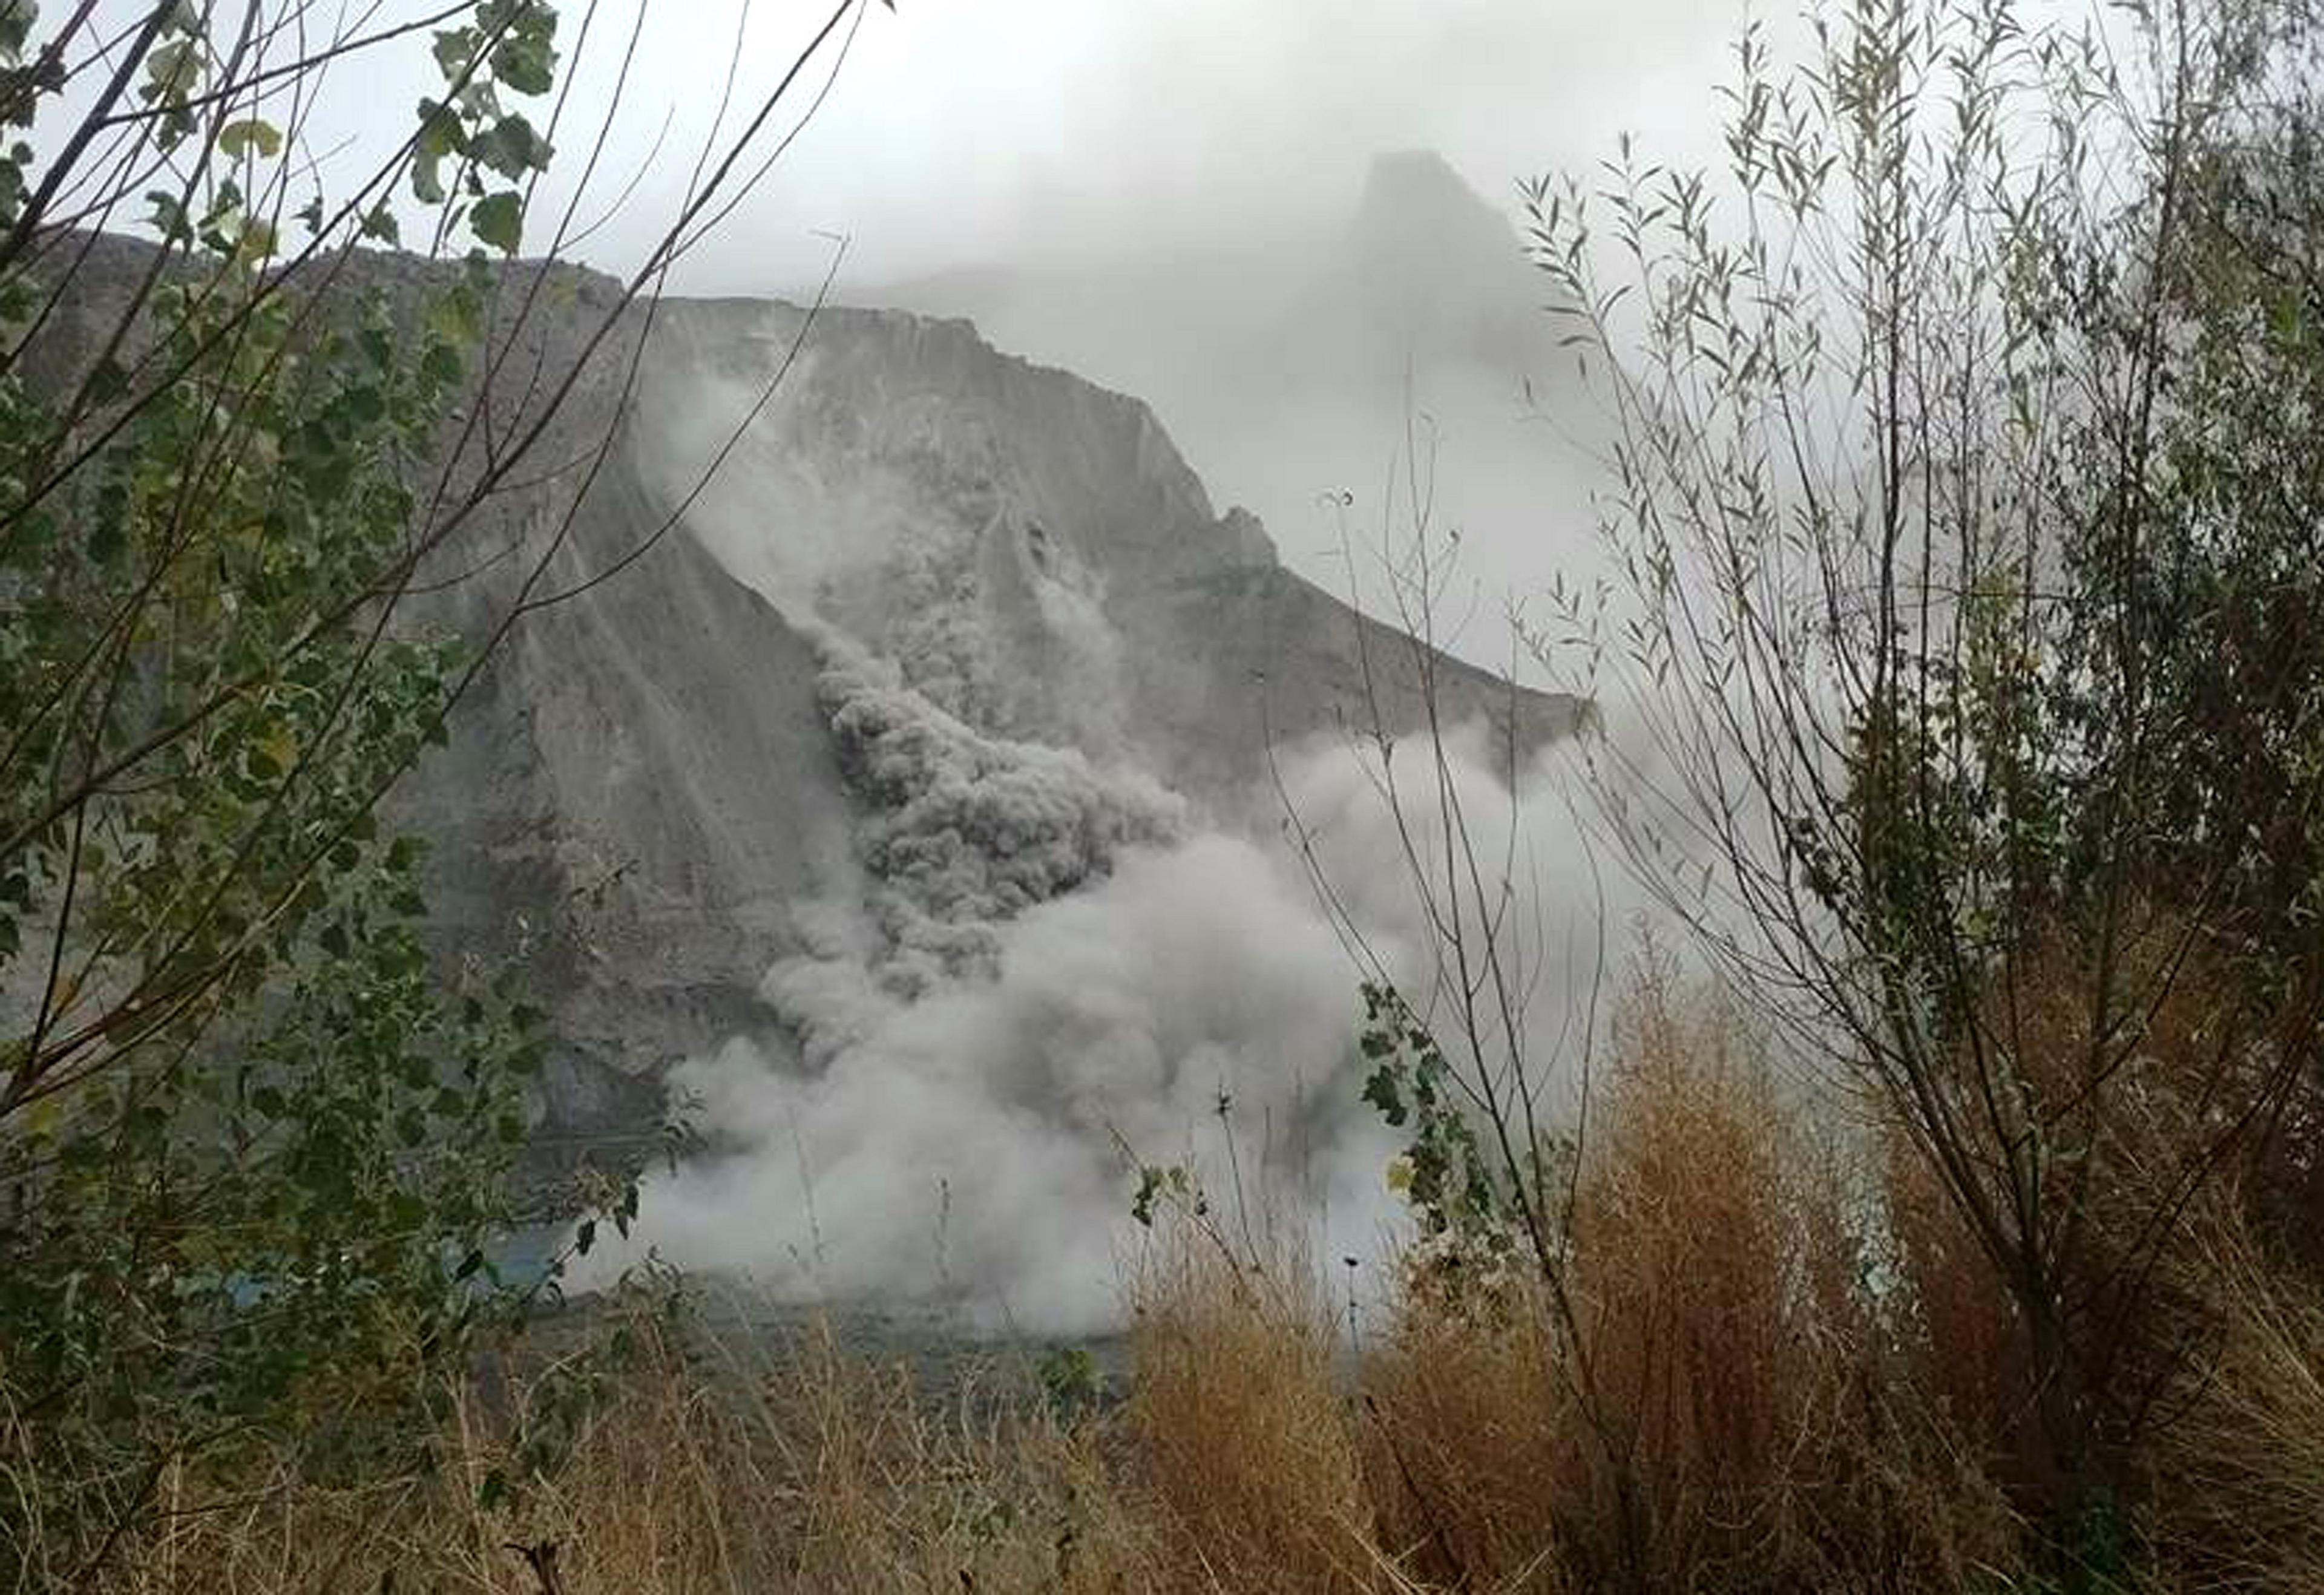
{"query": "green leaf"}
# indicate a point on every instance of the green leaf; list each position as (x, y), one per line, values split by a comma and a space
(256, 240)
(526, 57)
(16, 20)
(237, 138)
(109, 536)
(441, 365)
(170, 71)
(454, 48)
(511, 148)
(499, 221)
(1382, 1092)
(169, 215)
(439, 136)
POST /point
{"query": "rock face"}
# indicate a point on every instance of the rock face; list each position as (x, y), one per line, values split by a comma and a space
(942, 635)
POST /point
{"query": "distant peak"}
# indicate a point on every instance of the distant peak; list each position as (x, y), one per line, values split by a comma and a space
(1412, 167)
(1436, 267)
(1420, 187)
(1420, 226)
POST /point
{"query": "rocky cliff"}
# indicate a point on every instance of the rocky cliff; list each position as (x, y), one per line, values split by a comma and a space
(932, 635)
(846, 672)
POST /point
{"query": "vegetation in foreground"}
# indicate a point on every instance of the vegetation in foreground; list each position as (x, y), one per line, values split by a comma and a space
(268, 502)
(1768, 1393)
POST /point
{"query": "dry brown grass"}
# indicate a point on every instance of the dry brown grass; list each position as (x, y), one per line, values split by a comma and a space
(2238, 1482)
(1781, 1370)
(808, 1469)
(1958, 1339)
(1470, 1434)
(1238, 1423)
(1715, 1415)
(2151, 1137)
(1707, 1247)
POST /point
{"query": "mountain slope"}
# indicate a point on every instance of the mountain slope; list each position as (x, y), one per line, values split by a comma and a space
(945, 637)
(998, 546)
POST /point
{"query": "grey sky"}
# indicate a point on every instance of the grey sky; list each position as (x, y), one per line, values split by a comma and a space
(966, 131)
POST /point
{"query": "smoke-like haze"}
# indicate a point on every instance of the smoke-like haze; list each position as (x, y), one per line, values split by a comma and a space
(1154, 193)
(1045, 963)
(1346, 380)
(962, 1134)
(1010, 131)
(1291, 230)
(963, 1145)
(1171, 197)
(1013, 131)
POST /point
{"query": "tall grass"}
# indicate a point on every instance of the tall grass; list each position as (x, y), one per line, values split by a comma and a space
(1238, 1423)
(1784, 1369)
(708, 1468)
(2238, 1476)
(1719, 1415)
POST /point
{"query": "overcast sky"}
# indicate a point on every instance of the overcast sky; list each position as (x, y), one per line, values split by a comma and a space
(967, 131)
(1019, 132)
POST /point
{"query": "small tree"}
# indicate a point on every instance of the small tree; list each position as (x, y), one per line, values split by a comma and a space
(253, 1141)
(1958, 595)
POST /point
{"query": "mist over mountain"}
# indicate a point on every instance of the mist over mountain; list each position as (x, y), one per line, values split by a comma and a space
(1306, 374)
(1029, 902)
